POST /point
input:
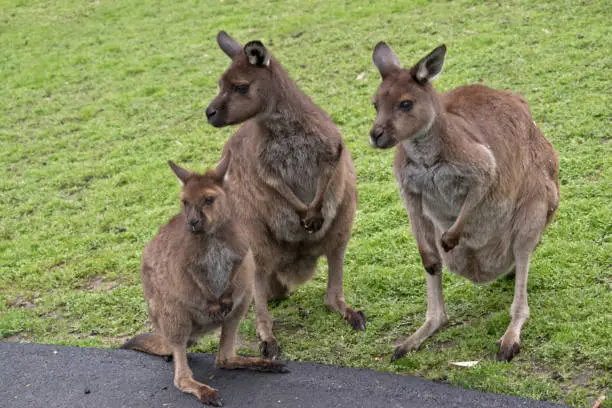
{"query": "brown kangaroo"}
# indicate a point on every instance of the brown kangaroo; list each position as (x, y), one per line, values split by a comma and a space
(478, 178)
(291, 178)
(197, 275)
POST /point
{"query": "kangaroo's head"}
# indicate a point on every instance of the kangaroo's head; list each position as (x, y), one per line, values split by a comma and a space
(406, 103)
(247, 88)
(204, 200)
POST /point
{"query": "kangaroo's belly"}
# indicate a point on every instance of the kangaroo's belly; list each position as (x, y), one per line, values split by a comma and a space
(479, 265)
(281, 219)
(487, 222)
(268, 213)
(484, 251)
(442, 189)
(203, 322)
(284, 225)
(485, 246)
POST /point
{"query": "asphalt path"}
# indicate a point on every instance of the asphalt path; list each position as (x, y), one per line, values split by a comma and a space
(34, 375)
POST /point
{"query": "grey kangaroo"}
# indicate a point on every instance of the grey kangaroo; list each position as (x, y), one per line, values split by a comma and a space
(478, 178)
(292, 179)
(197, 275)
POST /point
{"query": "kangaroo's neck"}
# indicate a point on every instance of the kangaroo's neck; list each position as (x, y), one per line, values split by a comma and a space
(430, 144)
(427, 146)
(293, 113)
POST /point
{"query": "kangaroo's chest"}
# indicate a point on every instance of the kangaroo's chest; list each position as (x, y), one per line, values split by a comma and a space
(442, 189)
(441, 186)
(216, 266)
(297, 162)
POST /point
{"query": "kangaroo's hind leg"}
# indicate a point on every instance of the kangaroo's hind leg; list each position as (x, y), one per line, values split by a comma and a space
(184, 381)
(268, 345)
(335, 250)
(533, 221)
(424, 233)
(227, 357)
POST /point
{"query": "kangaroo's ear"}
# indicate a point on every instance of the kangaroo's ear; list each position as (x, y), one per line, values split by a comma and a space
(385, 59)
(222, 167)
(257, 54)
(229, 46)
(427, 69)
(181, 173)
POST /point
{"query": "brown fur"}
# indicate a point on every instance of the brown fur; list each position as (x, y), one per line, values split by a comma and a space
(291, 178)
(197, 275)
(478, 178)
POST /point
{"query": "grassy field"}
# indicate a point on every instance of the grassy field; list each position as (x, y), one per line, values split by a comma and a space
(96, 96)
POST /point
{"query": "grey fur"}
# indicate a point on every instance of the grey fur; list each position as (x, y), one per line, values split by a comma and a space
(214, 264)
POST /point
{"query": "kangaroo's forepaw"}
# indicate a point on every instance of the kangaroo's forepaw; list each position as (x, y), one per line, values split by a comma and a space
(449, 241)
(270, 348)
(214, 312)
(227, 304)
(218, 310)
(356, 319)
(312, 222)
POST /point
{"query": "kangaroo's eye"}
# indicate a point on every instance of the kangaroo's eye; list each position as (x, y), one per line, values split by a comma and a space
(406, 105)
(184, 203)
(375, 106)
(209, 200)
(241, 89)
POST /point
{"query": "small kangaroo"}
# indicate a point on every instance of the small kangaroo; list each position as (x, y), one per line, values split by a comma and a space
(478, 178)
(197, 275)
(292, 179)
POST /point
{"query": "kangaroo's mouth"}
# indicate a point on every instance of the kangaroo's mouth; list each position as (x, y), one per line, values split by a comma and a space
(216, 117)
(217, 121)
(383, 141)
(195, 230)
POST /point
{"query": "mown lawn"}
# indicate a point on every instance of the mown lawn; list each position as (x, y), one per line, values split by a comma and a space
(96, 96)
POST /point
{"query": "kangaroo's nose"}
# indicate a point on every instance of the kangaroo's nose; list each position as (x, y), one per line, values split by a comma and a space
(193, 222)
(210, 112)
(376, 133)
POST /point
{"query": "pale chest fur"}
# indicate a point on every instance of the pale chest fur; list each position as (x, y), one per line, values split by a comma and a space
(216, 265)
(441, 186)
(296, 159)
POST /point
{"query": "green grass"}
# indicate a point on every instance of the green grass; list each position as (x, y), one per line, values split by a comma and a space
(97, 95)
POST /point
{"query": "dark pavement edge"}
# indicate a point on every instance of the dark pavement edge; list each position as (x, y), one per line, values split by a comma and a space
(35, 375)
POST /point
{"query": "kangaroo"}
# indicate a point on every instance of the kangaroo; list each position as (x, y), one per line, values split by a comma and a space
(478, 178)
(292, 179)
(197, 275)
